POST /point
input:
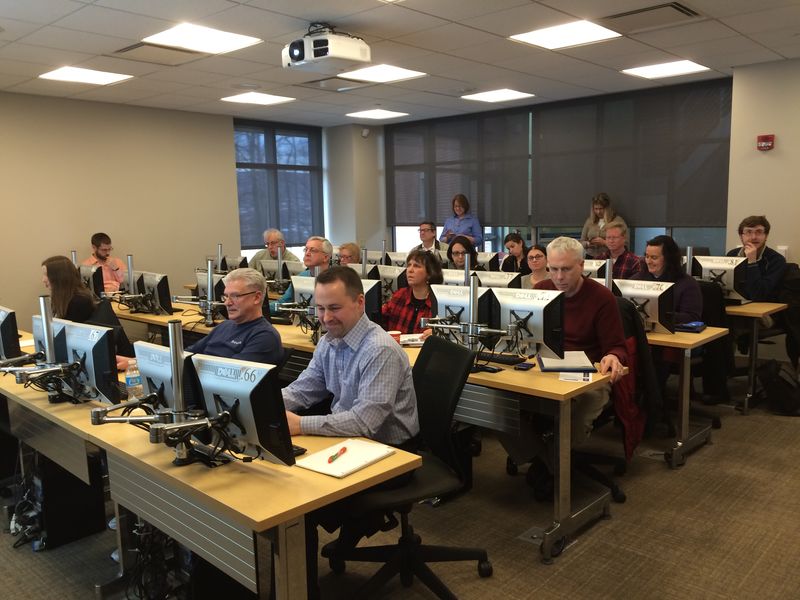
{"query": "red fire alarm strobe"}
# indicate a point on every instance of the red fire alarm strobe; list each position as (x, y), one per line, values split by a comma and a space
(765, 142)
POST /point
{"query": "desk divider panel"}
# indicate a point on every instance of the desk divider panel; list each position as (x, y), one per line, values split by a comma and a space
(227, 545)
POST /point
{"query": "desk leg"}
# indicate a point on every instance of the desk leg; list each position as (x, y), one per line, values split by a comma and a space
(127, 556)
(285, 548)
(686, 441)
(751, 375)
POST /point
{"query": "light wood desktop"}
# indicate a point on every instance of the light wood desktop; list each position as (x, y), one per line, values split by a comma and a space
(227, 514)
(686, 441)
(754, 311)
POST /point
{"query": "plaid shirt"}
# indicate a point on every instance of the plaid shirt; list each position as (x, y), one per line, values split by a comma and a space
(626, 265)
(398, 312)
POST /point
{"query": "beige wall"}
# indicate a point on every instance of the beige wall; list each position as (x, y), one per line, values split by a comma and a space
(766, 99)
(161, 183)
(355, 187)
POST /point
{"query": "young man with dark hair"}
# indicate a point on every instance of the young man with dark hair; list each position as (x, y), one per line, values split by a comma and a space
(765, 266)
(114, 272)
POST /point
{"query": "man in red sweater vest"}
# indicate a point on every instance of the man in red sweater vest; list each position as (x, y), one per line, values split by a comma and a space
(592, 323)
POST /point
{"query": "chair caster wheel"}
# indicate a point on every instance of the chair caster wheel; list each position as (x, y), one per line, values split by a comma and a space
(336, 565)
(485, 568)
(511, 467)
(555, 550)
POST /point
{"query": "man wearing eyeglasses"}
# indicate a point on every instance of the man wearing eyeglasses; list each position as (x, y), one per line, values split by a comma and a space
(317, 253)
(114, 272)
(765, 266)
(273, 239)
(626, 263)
(427, 235)
(246, 335)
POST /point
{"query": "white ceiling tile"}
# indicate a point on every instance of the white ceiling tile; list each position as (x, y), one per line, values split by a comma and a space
(50, 88)
(256, 22)
(226, 66)
(173, 10)
(18, 67)
(266, 53)
(518, 20)
(44, 57)
(114, 93)
(184, 75)
(768, 20)
(594, 9)
(726, 8)
(285, 76)
(459, 10)
(39, 11)
(497, 50)
(401, 55)
(724, 62)
(118, 65)
(447, 37)
(439, 85)
(7, 80)
(11, 29)
(314, 10)
(702, 50)
(114, 22)
(388, 21)
(81, 41)
(680, 35)
(175, 101)
(789, 50)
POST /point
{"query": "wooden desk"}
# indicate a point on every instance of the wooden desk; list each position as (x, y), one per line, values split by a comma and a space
(753, 311)
(230, 515)
(686, 441)
(493, 401)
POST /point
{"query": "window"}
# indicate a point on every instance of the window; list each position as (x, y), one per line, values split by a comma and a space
(279, 180)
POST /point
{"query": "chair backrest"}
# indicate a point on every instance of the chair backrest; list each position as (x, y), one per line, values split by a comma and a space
(713, 304)
(104, 315)
(439, 373)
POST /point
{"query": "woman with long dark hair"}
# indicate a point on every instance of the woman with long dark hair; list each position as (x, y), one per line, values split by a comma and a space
(409, 304)
(516, 261)
(69, 297)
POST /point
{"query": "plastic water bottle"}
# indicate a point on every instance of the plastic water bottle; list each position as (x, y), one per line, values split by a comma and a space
(133, 380)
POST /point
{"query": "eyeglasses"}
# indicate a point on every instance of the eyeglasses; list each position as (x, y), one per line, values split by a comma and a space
(535, 256)
(312, 251)
(758, 232)
(234, 297)
(456, 253)
(424, 229)
(345, 257)
(273, 243)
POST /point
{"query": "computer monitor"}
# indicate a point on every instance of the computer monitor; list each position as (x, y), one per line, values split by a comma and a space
(374, 257)
(155, 367)
(372, 270)
(303, 287)
(229, 263)
(93, 347)
(201, 275)
(452, 305)
(9, 336)
(251, 392)
(454, 277)
(614, 286)
(397, 259)
(156, 285)
(215, 263)
(373, 300)
(654, 301)
(594, 268)
(489, 261)
(92, 277)
(729, 272)
(269, 268)
(499, 279)
(392, 279)
(59, 337)
(539, 316)
(293, 267)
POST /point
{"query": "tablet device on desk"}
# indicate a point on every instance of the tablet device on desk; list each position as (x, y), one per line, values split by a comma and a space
(692, 327)
(573, 361)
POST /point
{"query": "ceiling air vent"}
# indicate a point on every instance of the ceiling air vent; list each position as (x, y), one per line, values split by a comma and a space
(651, 17)
(160, 55)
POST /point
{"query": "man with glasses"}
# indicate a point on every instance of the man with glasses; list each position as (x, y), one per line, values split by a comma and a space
(114, 272)
(273, 239)
(246, 335)
(427, 235)
(765, 266)
(317, 253)
(626, 263)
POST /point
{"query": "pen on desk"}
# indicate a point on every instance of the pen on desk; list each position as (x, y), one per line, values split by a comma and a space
(333, 457)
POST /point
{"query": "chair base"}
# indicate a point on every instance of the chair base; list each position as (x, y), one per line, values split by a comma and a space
(407, 559)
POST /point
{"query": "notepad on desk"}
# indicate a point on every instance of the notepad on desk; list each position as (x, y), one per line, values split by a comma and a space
(344, 458)
(411, 339)
(574, 361)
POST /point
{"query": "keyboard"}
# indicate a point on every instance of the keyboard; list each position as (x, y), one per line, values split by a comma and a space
(503, 359)
(298, 450)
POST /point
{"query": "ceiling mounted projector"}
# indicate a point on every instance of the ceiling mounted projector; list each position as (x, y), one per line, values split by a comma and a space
(325, 52)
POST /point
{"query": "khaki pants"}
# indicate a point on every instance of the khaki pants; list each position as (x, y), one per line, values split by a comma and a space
(529, 443)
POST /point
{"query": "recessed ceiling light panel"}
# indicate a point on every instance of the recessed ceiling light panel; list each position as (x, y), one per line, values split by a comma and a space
(78, 75)
(257, 98)
(502, 95)
(670, 69)
(202, 39)
(576, 33)
(382, 74)
(377, 113)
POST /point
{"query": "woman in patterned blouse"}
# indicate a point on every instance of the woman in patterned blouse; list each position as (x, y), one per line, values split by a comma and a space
(409, 304)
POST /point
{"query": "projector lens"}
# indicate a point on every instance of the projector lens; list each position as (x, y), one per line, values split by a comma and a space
(297, 50)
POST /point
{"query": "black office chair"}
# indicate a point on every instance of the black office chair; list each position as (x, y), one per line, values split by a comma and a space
(439, 376)
(714, 363)
(104, 315)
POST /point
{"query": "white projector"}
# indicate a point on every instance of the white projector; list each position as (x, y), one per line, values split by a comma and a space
(327, 52)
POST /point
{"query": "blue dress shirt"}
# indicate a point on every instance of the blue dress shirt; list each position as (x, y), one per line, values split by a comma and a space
(466, 225)
(369, 375)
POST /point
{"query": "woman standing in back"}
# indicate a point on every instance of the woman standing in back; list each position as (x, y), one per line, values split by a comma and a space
(462, 223)
(594, 229)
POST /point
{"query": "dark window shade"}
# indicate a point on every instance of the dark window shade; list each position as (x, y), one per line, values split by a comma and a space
(279, 181)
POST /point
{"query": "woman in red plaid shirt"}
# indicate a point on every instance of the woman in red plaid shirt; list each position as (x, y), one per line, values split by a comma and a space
(409, 304)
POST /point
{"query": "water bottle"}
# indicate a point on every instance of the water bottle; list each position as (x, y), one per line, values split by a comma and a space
(133, 380)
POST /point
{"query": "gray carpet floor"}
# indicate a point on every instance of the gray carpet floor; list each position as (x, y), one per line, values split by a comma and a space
(725, 525)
